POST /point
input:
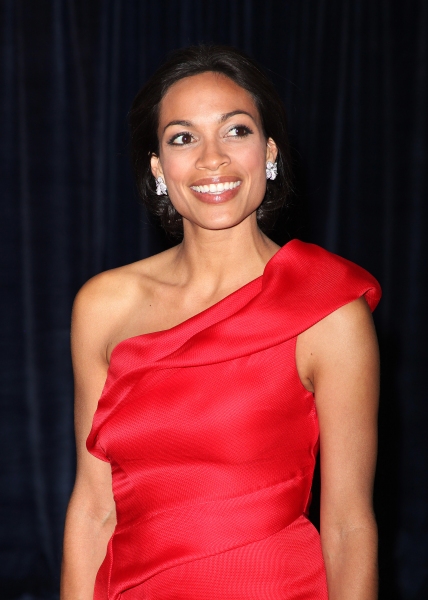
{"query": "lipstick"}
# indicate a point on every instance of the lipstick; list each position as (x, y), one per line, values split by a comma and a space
(215, 190)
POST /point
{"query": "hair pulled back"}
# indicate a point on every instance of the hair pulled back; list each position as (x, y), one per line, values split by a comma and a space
(144, 122)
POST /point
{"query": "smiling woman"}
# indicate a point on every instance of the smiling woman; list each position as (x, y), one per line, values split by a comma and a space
(208, 376)
(227, 147)
(266, 114)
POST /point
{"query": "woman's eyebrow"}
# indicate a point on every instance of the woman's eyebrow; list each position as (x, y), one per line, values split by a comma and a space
(222, 119)
(178, 122)
(227, 116)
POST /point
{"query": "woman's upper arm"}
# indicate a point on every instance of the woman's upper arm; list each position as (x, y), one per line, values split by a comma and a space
(89, 338)
(338, 358)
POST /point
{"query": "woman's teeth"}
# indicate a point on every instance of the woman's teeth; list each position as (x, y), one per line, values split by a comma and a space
(215, 188)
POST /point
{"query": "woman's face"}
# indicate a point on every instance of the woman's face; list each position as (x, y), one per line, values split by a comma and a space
(212, 151)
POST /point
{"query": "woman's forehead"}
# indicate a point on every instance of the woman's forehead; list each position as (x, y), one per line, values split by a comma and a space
(205, 94)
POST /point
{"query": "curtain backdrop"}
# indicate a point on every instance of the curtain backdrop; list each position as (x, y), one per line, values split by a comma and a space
(353, 75)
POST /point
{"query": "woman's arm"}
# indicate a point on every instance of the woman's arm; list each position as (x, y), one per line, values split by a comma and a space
(338, 360)
(91, 513)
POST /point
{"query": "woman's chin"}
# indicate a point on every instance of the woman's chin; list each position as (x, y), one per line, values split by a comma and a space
(220, 223)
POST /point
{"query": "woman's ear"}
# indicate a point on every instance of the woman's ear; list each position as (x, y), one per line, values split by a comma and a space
(271, 151)
(156, 166)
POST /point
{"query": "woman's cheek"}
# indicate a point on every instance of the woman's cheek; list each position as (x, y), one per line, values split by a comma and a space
(253, 159)
(176, 169)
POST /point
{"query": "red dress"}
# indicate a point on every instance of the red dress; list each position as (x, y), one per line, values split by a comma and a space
(212, 441)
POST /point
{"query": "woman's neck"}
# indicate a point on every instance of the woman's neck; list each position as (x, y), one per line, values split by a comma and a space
(225, 259)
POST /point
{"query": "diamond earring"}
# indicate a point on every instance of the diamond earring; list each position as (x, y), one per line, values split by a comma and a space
(161, 187)
(271, 170)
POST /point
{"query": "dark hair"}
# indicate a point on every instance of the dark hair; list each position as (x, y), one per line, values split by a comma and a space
(144, 121)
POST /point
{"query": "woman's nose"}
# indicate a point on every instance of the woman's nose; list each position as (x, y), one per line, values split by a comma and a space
(212, 156)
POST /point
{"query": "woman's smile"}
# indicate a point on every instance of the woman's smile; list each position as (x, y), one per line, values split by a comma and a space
(216, 189)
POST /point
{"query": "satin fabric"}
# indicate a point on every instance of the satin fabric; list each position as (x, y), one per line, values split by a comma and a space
(212, 441)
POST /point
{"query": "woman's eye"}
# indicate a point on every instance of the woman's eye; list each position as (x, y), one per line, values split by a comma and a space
(181, 139)
(239, 131)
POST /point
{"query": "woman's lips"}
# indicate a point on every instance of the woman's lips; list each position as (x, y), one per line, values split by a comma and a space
(215, 193)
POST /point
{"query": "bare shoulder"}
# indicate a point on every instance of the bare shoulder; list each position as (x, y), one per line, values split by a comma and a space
(347, 335)
(112, 298)
(109, 290)
(353, 317)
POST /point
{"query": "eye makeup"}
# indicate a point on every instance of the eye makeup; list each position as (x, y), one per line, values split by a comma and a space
(186, 134)
(183, 134)
(245, 128)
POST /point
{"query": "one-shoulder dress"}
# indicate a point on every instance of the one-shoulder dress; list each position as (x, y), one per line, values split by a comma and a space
(212, 441)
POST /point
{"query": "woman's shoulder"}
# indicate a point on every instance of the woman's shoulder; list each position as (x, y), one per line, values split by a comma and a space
(319, 275)
(111, 298)
(334, 298)
(122, 284)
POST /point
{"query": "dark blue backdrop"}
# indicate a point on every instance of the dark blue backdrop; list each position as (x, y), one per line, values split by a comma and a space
(353, 75)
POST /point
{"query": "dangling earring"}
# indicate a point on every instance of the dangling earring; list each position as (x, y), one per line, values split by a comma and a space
(271, 170)
(161, 187)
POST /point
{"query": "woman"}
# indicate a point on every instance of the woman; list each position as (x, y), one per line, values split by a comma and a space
(222, 363)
